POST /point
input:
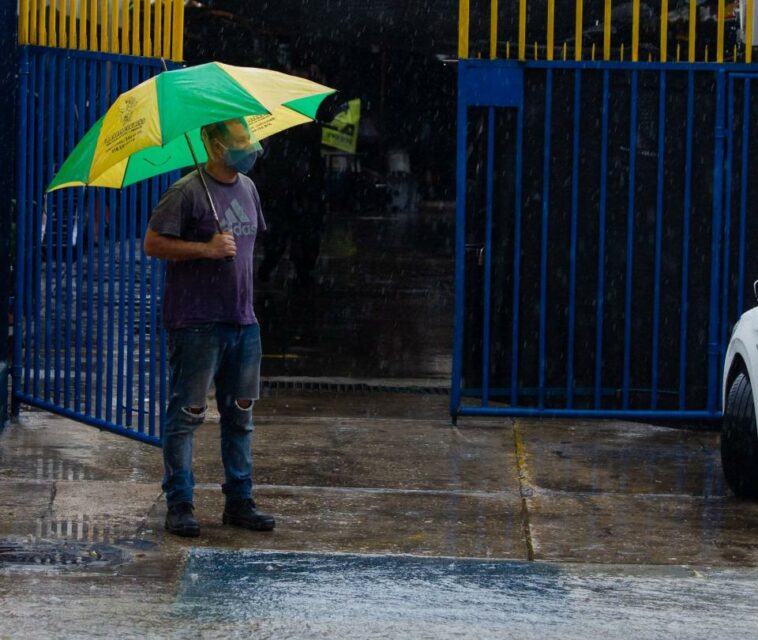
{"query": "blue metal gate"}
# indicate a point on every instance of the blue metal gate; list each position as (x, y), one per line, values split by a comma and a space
(601, 235)
(89, 342)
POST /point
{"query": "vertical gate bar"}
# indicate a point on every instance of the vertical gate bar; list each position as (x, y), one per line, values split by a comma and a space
(578, 30)
(167, 180)
(493, 29)
(50, 80)
(550, 28)
(749, 32)
(112, 222)
(157, 23)
(132, 277)
(517, 255)
(21, 221)
(59, 213)
(38, 211)
(686, 240)
(630, 243)
(92, 193)
(153, 264)
(460, 250)
(71, 230)
(721, 14)
(692, 30)
(102, 217)
(718, 182)
(143, 263)
(544, 235)
(664, 30)
(727, 217)
(658, 238)
(607, 31)
(522, 30)
(601, 242)
(743, 198)
(82, 69)
(30, 296)
(122, 210)
(72, 17)
(635, 30)
(573, 237)
(488, 258)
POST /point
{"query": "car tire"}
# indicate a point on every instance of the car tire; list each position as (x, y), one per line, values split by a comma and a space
(739, 439)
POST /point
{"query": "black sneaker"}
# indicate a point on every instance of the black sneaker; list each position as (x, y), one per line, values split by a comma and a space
(180, 521)
(242, 513)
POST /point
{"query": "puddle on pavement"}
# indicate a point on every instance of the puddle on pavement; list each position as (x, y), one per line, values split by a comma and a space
(343, 596)
(25, 552)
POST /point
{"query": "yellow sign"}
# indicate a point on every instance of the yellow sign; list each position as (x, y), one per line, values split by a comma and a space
(342, 132)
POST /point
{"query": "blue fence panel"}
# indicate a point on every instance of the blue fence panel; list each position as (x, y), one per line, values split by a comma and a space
(85, 290)
(610, 260)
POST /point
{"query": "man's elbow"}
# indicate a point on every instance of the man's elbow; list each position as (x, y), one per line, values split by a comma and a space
(150, 244)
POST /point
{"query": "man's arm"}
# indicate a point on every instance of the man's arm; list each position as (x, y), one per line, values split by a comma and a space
(220, 246)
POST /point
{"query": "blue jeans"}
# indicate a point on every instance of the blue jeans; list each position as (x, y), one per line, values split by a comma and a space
(230, 356)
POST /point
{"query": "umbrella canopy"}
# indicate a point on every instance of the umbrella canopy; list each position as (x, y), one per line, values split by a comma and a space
(143, 133)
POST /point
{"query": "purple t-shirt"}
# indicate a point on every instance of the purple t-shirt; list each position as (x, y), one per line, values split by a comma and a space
(199, 291)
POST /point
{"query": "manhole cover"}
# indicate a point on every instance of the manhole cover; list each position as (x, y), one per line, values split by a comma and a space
(48, 553)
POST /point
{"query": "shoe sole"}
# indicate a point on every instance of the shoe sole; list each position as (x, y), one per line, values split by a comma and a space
(185, 533)
(231, 520)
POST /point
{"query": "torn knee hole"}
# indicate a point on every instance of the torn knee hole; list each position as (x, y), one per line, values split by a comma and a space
(195, 412)
(243, 404)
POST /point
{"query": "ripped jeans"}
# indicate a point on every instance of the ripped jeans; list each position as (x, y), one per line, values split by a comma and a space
(230, 356)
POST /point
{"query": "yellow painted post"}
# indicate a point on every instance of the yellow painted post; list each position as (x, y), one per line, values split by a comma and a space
(62, 35)
(550, 28)
(114, 26)
(92, 25)
(33, 18)
(678, 51)
(635, 30)
(706, 53)
(693, 30)
(82, 44)
(720, 32)
(103, 25)
(463, 27)
(147, 43)
(42, 20)
(157, 24)
(508, 50)
(621, 52)
(749, 31)
(167, 18)
(565, 51)
(579, 30)
(136, 48)
(23, 22)
(125, 27)
(664, 29)
(51, 11)
(178, 38)
(493, 29)
(734, 54)
(522, 30)
(72, 25)
(535, 50)
(593, 52)
(607, 31)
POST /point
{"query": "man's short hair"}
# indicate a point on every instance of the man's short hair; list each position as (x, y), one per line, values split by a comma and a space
(219, 130)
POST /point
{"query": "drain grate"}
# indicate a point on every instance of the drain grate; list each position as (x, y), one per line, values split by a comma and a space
(44, 553)
(326, 386)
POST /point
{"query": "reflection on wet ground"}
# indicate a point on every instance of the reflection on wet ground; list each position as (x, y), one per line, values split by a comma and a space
(380, 304)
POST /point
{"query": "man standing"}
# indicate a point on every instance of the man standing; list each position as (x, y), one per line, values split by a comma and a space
(213, 334)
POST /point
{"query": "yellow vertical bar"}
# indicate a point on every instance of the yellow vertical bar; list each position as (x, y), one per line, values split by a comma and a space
(621, 52)
(508, 50)
(23, 22)
(579, 30)
(72, 25)
(635, 30)
(114, 26)
(593, 52)
(104, 25)
(82, 44)
(536, 52)
(720, 32)
(664, 29)
(550, 28)
(178, 39)
(693, 30)
(157, 24)
(51, 11)
(463, 26)
(749, 31)
(564, 51)
(93, 25)
(33, 20)
(522, 30)
(167, 29)
(493, 29)
(125, 27)
(147, 43)
(607, 31)
(62, 35)
(42, 19)
(136, 50)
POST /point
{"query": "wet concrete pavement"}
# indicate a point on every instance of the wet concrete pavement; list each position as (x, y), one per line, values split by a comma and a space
(390, 521)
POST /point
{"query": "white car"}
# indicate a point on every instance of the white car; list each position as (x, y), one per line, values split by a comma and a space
(739, 431)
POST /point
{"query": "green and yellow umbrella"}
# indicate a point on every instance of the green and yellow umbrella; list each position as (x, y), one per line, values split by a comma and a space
(155, 127)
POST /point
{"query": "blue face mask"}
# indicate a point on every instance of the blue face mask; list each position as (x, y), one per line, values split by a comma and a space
(241, 159)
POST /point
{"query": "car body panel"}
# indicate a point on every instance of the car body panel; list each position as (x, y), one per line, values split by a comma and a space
(743, 344)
